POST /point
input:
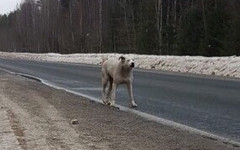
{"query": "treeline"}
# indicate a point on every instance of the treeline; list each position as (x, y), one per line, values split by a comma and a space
(164, 27)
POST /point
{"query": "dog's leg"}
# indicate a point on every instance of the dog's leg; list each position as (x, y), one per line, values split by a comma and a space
(104, 85)
(109, 89)
(130, 93)
(114, 90)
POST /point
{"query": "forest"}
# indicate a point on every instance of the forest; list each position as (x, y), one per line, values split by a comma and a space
(159, 27)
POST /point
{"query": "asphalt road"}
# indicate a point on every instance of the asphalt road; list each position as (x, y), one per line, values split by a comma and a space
(202, 102)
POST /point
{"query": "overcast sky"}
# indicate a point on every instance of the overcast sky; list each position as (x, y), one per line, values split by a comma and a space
(8, 5)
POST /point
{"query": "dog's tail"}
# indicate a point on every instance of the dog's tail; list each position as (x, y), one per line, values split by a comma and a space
(103, 60)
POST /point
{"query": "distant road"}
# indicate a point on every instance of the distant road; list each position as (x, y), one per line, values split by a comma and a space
(205, 103)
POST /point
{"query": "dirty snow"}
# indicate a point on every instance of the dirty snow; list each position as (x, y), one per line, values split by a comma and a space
(221, 66)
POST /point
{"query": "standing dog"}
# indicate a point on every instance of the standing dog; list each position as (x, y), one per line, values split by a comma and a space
(117, 72)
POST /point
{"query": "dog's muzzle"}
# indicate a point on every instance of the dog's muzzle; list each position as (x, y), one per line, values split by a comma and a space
(132, 65)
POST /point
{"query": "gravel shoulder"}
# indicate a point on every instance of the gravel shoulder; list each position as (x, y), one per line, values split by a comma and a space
(35, 116)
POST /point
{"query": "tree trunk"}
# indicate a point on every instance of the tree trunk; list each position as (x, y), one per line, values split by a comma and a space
(133, 28)
(204, 17)
(81, 23)
(126, 25)
(175, 15)
(168, 12)
(100, 26)
(215, 4)
(168, 25)
(71, 20)
(159, 15)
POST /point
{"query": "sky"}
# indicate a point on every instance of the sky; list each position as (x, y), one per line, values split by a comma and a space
(8, 5)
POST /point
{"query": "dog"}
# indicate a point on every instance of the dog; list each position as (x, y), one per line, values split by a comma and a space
(115, 72)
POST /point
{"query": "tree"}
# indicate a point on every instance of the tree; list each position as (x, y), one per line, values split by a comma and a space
(182, 27)
(159, 23)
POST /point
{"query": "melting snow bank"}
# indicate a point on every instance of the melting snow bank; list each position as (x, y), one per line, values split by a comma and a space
(221, 66)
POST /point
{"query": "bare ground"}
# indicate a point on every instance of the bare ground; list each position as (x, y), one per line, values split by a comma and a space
(39, 118)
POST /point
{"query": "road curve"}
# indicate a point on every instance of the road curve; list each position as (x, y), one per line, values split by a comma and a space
(206, 103)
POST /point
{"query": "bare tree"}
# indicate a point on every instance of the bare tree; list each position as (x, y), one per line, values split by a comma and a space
(133, 27)
(175, 14)
(126, 25)
(100, 26)
(204, 16)
(159, 23)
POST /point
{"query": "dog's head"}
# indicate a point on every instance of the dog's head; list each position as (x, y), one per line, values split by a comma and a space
(127, 62)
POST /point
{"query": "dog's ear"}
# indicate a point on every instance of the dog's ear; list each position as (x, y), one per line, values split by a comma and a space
(122, 58)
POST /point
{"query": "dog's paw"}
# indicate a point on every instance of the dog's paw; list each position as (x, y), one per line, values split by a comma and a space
(134, 105)
(105, 102)
(113, 107)
(112, 103)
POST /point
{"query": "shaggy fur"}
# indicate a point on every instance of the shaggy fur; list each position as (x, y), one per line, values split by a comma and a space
(115, 72)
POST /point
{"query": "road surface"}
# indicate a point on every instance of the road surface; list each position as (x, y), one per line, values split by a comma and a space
(202, 102)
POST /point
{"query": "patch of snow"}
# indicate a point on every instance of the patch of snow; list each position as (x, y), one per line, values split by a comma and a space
(221, 66)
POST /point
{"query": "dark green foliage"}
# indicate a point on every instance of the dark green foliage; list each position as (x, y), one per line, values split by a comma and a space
(65, 3)
(4, 22)
(216, 30)
(232, 42)
(232, 46)
(146, 29)
(191, 33)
